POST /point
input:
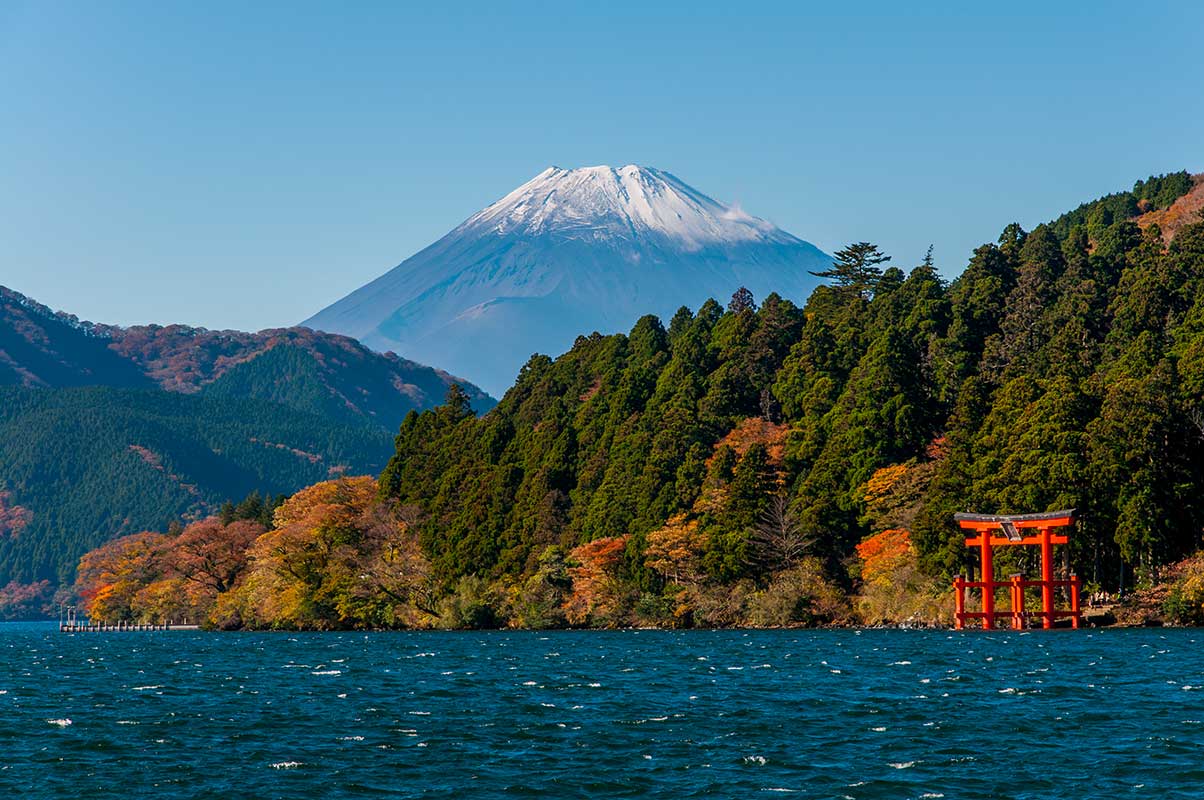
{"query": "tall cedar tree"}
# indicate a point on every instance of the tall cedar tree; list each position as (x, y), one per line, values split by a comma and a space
(856, 269)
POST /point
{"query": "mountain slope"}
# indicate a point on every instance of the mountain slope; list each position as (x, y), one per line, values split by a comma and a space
(41, 348)
(568, 252)
(315, 372)
(92, 448)
(88, 464)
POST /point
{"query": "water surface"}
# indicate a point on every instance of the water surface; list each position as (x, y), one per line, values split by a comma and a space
(734, 714)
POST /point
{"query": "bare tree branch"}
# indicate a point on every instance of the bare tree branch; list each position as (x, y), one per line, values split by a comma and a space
(778, 541)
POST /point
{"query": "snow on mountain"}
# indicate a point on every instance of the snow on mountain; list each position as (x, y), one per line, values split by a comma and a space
(567, 253)
(626, 202)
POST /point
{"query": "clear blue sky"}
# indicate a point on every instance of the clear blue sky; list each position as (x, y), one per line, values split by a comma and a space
(244, 164)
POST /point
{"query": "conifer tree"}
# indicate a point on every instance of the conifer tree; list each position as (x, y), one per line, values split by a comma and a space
(1022, 336)
(855, 270)
(742, 300)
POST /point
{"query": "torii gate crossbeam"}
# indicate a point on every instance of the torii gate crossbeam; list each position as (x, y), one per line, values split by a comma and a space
(992, 530)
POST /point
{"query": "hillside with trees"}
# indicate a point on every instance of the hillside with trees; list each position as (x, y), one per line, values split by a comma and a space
(761, 463)
(80, 466)
(310, 371)
(106, 431)
(41, 348)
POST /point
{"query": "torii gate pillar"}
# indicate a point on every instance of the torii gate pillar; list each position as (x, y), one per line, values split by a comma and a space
(1016, 529)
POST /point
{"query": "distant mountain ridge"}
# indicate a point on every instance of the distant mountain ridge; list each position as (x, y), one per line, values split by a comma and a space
(106, 431)
(304, 369)
(570, 251)
(39, 347)
(320, 372)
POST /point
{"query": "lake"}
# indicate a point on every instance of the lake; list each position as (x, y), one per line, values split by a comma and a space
(730, 714)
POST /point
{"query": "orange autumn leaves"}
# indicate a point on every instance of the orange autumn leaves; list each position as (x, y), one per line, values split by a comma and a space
(893, 589)
(335, 557)
(595, 581)
(882, 554)
(892, 498)
(134, 579)
(676, 550)
(755, 430)
(879, 486)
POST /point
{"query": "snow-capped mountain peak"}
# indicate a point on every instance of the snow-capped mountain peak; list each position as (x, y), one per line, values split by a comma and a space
(628, 202)
(569, 252)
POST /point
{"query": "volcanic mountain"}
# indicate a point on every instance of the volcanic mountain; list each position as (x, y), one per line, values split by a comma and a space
(569, 252)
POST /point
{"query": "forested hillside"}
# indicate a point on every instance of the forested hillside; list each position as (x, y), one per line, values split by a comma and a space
(310, 371)
(320, 373)
(754, 463)
(1063, 368)
(272, 411)
(41, 348)
(85, 465)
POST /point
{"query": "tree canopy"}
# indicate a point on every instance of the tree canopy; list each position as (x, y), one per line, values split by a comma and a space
(754, 464)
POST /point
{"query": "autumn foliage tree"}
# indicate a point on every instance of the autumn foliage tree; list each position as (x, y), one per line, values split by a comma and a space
(893, 588)
(336, 557)
(597, 591)
(111, 577)
(675, 550)
(25, 600)
(212, 555)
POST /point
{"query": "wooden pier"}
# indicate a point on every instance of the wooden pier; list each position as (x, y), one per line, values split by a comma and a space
(69, 622)
(85, 627)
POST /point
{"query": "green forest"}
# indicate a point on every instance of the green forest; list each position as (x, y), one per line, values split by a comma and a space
(92, 463)
(763, 463)
(1063, 368)
(106, 431)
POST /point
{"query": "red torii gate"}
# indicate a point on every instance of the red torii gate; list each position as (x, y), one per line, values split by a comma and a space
(1016, 529)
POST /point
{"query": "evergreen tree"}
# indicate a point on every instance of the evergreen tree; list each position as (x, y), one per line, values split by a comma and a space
(742, 300)
(1141, 450)
(749, 493)
(977, 300)
(855, 270)
(1022, 334)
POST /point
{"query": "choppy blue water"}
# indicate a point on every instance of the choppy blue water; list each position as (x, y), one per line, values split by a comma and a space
(890, 714)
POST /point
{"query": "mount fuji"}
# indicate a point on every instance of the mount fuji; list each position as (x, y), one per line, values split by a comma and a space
(567, 253)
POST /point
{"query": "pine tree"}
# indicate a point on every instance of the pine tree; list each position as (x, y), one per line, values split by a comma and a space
(855, 270)
(742, 300)
(457, 405)
(1023, 335)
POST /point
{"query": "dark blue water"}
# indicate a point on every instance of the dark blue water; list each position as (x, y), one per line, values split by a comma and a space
(869, 714)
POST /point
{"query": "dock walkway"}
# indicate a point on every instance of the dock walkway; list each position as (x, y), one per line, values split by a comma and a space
(83, 627)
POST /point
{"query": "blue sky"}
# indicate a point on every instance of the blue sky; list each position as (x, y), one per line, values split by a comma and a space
(244, 164)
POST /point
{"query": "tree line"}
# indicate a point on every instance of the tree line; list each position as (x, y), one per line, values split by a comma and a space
(765, 463)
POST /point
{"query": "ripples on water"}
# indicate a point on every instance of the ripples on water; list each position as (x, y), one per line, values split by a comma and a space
(890, 714)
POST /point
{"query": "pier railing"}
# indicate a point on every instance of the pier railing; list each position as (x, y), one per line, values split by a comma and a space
(97, 627)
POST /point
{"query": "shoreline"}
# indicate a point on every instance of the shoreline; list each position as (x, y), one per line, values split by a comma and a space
(1116, 616)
